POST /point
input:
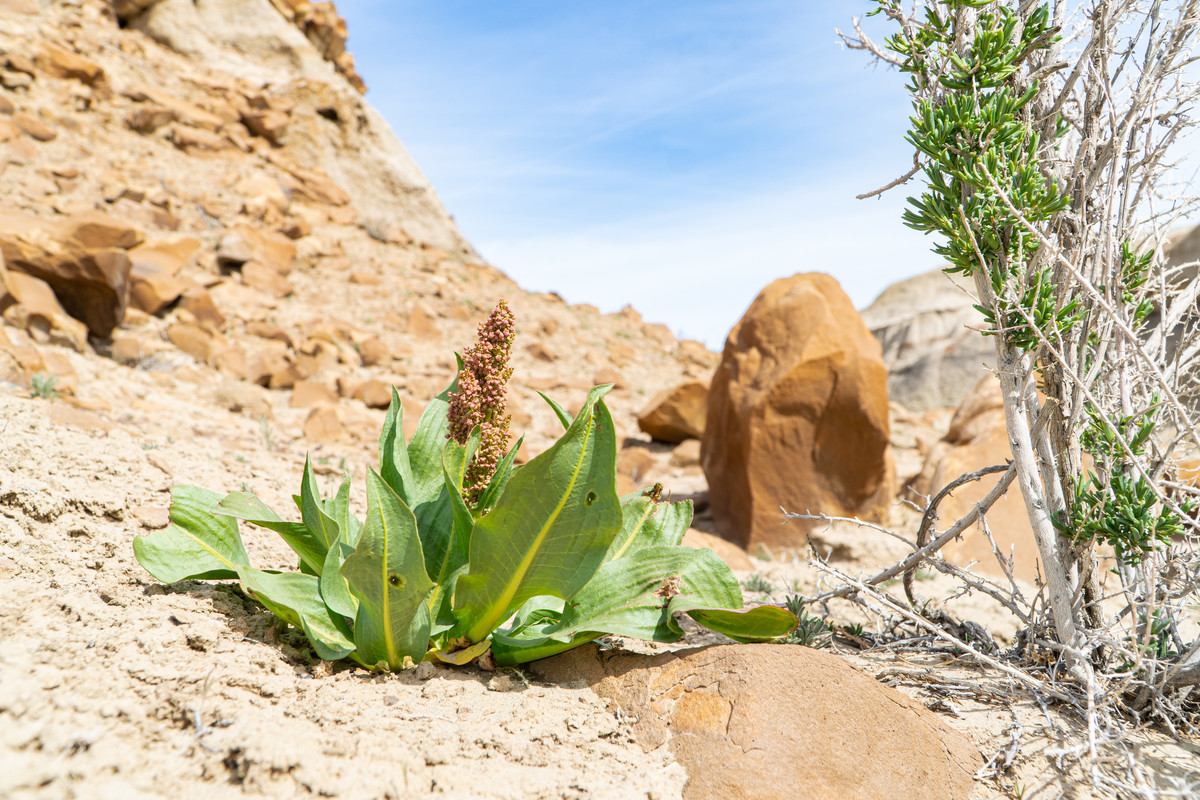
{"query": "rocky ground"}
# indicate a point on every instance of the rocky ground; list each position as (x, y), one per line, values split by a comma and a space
(219, 260)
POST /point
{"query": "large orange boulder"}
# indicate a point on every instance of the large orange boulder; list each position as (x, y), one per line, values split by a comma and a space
(797, 416)
(776, 722)
(978, 438)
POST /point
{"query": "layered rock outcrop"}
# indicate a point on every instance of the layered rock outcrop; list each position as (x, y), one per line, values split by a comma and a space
(297, 49)
(797, 416)
(929, 331)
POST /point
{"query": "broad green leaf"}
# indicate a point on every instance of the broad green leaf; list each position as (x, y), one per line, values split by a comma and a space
(550, 528)
(631, 596)
(196, 544)
(338, 507)
(425, 449)
(563, 415)
(335, 590)
(387, 574)
(241, 505)
(647, 523)
(446, 553)
(296, 598)
(394, 465)
(312, 509)
(510, 652)
(414, 469)
(638, 596)
(756, 624)
(415, 472)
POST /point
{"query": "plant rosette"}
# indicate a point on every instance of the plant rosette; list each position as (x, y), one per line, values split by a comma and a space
(545, 557)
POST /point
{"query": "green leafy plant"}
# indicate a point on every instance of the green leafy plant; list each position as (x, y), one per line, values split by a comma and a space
(464, 554)
(758, 584)
(42, 384)
(810, 631)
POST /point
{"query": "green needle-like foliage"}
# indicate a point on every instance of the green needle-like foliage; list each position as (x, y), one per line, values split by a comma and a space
(987, 187)
(453, 562)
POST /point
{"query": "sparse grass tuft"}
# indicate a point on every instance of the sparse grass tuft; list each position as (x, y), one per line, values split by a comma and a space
(812, 631)
(42, 386)
(758, 583)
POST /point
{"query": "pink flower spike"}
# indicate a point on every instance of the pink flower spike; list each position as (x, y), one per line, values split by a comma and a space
(481, 398)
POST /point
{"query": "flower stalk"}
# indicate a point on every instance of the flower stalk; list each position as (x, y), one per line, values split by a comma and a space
(481, 399)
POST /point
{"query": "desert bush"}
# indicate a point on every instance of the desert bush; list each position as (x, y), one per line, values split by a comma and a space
(1043, 134)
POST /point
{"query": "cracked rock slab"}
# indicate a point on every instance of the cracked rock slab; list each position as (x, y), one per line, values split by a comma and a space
(776, 721)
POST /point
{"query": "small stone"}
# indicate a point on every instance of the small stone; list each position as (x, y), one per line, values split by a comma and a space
(324, 425)
(258, 275)
(348, 385)
(149, 117)
(541, 352)
(199, 303)
(375, 394)
(192, 140)
(365, 279)
(686, 454)
(422, 323)
(192, 339)
(63, 64)
(17, 62)
(268, 330)
(33, 127)
(307, 394)
(270, 124)
(610, 375)
(373, 351)
(677, 413)
(151, 517)
(507, 681)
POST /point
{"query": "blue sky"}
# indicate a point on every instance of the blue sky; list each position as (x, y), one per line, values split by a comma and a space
(677, 156)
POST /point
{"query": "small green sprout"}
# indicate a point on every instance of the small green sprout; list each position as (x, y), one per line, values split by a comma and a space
(811, 631)
(41, 386)
(758, 584)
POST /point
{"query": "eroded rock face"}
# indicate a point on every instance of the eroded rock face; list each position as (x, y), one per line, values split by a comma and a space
(82, 258)
(929, 330)
(770, 721)
(298, 49)
(797, 416)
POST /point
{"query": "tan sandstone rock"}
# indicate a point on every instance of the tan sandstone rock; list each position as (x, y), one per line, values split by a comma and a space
(243, 243)
(81, 258)
(797, 416)
(776, 722)
(676, 414)
(29, 303)
(978, 438)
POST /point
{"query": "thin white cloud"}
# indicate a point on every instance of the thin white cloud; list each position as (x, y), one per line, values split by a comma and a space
(699, 270)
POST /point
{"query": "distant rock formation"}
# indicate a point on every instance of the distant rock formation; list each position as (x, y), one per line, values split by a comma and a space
(295, 52)
(929, 330)
(797, 416)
